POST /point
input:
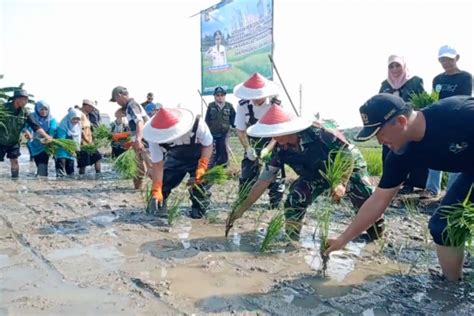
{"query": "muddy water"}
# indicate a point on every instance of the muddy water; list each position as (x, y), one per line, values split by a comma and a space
(85, 245)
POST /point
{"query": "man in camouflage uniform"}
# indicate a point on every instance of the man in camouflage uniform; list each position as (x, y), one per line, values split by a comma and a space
(306, 148)
(255, 94)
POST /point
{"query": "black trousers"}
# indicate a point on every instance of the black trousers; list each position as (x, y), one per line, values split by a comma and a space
(220, 155)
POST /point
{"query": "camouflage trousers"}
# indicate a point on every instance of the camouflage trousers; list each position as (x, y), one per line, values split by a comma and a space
(304, 191)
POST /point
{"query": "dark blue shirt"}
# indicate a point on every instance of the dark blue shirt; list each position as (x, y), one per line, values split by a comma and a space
(451, 85)
(448, 143)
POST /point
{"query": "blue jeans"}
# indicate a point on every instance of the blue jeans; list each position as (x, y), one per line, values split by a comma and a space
(433, 183)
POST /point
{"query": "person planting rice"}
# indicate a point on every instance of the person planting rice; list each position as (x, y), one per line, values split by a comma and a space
(136, 120)
(306, 146)
(69, 128)
(37, 148)
(440, 137)
(255, 94)
(187, 142)
(14, 117)
(91, 156)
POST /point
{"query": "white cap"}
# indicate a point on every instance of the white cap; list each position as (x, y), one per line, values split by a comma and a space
(447, 51)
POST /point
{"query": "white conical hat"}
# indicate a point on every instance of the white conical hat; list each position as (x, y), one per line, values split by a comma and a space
(167, 125)
(256, 87)
(278, 122)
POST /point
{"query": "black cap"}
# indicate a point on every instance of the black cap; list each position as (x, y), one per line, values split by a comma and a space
(219, 90)
(116, 91)
(19, 94)
(377, 111)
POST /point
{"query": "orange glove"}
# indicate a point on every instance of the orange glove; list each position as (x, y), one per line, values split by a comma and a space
(127, 145)
(118, 136)
(156, 191)
(201, 169)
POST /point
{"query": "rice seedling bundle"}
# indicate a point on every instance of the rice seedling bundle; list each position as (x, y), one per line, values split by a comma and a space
(173, 211)
(69, 145)
(338, 169)
(460, 228)
(216, 175)
(102, 135)
(126, 164)
(235, 212)
(423, 99)
(89, 148)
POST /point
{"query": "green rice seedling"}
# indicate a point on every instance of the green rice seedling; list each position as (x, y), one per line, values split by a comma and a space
(102, 135)
(423, 99)
(338, 167)
(373, 157)
(273, 230)
(174, 212)
(235, 212)
(89, 148)
(460, 228)
(216, 175)
(126, 164)
(410, 206)
(146, 195)
(69, 145)
(323, 217)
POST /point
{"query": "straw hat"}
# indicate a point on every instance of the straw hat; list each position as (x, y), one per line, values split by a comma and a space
(167, 125)
(278, 122)
(256, 87)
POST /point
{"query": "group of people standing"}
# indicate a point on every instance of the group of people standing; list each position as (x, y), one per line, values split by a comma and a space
(40, 127)
(451, 82)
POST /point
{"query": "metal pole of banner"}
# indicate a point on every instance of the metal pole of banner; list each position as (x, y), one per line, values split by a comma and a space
(202, 99)
(283, 85)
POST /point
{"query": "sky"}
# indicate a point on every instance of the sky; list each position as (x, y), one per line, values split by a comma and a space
(335, 50)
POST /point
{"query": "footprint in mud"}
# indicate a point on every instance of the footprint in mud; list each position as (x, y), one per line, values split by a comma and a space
(66, 227)
(184, 248)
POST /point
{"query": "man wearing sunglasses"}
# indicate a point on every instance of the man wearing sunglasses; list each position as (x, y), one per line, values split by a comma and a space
(220, 116)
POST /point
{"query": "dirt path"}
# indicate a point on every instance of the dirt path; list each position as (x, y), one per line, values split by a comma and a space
(86, 247)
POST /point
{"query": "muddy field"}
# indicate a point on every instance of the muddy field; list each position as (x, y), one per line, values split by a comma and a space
(85, 246)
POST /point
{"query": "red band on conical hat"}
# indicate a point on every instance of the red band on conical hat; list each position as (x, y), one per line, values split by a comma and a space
(275, 115)
(165, 118)
(257, 81)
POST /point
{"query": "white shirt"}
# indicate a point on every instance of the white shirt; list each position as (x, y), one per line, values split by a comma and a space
(218, 57)
(242, 117)
(203, 137)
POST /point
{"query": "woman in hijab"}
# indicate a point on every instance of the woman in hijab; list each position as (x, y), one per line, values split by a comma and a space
(49, 125)
(69, 128)
(399, 82)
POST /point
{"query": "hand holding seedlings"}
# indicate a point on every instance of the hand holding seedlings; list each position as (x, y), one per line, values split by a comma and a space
(338, 193)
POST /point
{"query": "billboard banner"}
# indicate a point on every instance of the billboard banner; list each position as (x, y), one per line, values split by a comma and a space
(236, 39)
